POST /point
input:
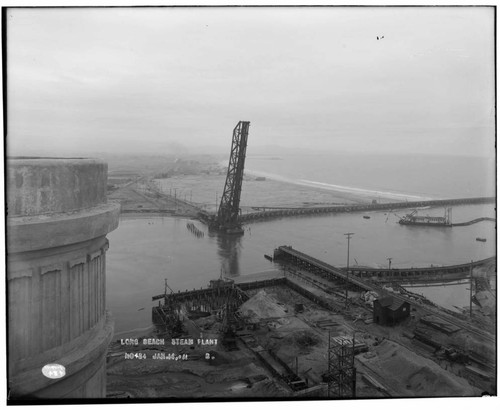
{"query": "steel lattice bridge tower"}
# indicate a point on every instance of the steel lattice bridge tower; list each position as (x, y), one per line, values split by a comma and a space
(229, 210)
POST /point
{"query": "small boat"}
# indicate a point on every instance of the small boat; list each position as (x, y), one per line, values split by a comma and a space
(366, 217)
(481, 239)
(269, 258)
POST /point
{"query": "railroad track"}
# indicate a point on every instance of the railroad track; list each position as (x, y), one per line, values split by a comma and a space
(442, 315)
(458, 322)
(375, 380)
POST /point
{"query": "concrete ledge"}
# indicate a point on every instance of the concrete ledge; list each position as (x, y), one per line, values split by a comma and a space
(72, 254)
(46, 185)
(26, 234)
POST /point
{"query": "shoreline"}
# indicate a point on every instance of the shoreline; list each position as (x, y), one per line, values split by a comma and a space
(273, 187)
(351, 192)
(342, 191)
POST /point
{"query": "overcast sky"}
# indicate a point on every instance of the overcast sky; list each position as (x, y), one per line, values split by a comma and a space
(153, 79)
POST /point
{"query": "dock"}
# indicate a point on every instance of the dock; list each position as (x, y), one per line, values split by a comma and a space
(357, 274)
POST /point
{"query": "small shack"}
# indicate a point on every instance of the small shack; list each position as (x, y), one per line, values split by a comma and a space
(388, 311)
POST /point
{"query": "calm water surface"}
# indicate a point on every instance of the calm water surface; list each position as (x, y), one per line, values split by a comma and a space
(145, 251)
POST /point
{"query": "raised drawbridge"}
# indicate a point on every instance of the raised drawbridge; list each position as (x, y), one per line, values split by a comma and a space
(227, 218)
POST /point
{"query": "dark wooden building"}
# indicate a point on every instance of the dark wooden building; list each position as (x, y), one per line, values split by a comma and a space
(388, 311)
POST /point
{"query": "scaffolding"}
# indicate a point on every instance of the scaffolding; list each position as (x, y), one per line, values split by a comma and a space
(166, 317)
(341, 375)
(229, 325)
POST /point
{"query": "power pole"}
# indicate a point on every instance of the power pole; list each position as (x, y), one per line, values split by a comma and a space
(389, 259)
(470, 293)
(348, 234)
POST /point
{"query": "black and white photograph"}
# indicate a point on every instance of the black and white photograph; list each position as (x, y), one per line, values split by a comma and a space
(249, 203)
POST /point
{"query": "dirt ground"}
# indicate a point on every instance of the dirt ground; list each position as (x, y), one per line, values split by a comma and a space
(412, 375)
(225, 374)
(414, 372)
(394, 366)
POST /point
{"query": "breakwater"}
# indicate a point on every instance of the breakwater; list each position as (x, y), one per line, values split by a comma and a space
(285, 212)
(431, 273)
(474, 221)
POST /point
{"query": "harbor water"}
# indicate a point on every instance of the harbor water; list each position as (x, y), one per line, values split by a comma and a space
(144, 251)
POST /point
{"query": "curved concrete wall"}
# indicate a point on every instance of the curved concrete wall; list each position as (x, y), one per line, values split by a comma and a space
(40, 186)
(58, 218)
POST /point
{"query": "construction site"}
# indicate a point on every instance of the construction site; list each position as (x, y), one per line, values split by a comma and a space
(296, 335)
(307, 328)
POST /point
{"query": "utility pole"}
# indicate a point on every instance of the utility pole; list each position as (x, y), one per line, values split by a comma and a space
(470, 293)
(348, 234)
(389, 259)
(329, 371)
(353, 381)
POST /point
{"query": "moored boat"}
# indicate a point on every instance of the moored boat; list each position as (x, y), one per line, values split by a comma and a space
(414, 219)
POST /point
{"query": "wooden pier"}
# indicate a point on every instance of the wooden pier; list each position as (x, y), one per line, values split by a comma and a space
(358, 273)
(323, 269)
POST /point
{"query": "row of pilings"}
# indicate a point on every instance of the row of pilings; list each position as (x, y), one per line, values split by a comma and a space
(194, 230)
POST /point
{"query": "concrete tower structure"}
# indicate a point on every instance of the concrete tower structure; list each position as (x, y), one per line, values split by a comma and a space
(57, 221)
